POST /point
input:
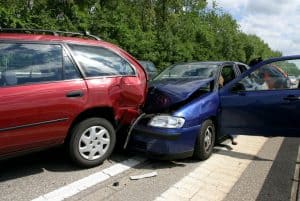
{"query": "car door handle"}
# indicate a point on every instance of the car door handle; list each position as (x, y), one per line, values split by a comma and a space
(292, 98)
(74, 94)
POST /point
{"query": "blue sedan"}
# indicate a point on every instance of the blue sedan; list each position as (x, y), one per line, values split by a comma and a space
(192, 106)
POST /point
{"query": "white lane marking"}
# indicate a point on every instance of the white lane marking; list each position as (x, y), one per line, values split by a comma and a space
(213, 179)
(295, 186)
(91, 180)
(120, 167)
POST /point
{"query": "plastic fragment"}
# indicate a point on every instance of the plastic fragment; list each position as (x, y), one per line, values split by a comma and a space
(142, 176)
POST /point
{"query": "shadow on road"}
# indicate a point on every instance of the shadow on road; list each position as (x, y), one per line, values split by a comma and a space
(52, 160)
(241, 155)
(35, 163)
(279, 181)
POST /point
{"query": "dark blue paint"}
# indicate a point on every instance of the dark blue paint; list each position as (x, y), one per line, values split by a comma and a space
(195, 110)
(251, 113)
(199, 109)
(157, 146)
(174, 91)
(180, 89)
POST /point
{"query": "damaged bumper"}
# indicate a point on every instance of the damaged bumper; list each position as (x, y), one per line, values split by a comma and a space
(163, 143)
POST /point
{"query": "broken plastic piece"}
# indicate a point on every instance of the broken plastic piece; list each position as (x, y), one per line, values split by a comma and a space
(142, 176)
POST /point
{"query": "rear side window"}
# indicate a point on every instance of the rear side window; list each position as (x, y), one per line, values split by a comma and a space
(97, 61)
(70, 70)
(242, 68)
(149, 66)
(30, 63)
(228, 74)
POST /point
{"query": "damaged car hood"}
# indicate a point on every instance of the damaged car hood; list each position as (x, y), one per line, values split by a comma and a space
(169, 93)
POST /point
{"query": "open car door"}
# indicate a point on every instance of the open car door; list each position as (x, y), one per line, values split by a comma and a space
(264, 100)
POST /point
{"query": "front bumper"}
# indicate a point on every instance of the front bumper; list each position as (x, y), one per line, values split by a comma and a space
(164, 143)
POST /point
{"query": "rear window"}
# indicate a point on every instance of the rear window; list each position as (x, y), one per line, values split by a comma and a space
(149, 66)
(242, 68)
(98, 61)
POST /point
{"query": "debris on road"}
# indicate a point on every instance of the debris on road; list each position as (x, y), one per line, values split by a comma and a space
(116, 184)
(142, 176)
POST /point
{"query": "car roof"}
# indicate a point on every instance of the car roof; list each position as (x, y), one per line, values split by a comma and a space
(52, 38)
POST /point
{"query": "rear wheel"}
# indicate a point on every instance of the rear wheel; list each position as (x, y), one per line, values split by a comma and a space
(92, 141)
(205, 141)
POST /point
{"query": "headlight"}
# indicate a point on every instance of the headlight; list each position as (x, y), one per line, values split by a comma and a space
(166, 121)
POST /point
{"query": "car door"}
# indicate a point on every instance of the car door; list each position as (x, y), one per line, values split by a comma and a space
(262, 100)
(40, 93)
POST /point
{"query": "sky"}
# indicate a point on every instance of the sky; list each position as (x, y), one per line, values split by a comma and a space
(275, 21)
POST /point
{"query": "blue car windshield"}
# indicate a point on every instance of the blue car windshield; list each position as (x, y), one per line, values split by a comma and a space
(189, 70)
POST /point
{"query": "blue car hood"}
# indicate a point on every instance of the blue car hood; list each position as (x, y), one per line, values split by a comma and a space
(166, 93)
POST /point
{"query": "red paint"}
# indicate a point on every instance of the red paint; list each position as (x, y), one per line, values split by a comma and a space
(33, 103)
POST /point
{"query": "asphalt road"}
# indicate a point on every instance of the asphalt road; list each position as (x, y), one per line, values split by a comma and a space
(27, 177)
(269, 175)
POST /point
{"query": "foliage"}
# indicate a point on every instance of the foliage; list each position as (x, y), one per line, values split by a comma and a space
(290, 67)
(163, 31)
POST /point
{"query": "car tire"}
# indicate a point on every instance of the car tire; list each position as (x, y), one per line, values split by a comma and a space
(92, 141)
(205, 141)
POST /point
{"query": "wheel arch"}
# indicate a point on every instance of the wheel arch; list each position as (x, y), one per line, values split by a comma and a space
(101, 112)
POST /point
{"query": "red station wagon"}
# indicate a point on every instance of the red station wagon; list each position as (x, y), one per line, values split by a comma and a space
(57, 89)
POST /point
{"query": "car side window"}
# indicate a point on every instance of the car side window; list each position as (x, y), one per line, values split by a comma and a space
(98, 61)
(274, 76)
(70, 70)
(227, 74)
(29, 63)
(242, 68)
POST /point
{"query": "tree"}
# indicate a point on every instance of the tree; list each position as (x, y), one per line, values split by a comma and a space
(163, 31)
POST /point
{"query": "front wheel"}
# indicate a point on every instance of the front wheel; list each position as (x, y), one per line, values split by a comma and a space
(92, 141)
(205, 141)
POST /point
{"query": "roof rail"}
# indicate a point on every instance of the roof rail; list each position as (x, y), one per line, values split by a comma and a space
(55, 33)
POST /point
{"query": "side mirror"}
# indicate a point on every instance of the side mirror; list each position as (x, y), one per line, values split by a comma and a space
(238, 87)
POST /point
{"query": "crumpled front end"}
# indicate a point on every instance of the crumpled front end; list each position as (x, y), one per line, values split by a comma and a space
(165, 96)
(173, 118)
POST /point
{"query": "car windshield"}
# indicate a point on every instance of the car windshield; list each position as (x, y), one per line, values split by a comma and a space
(189, 70)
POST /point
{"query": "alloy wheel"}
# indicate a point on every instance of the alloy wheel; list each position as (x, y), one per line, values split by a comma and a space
(208, 138)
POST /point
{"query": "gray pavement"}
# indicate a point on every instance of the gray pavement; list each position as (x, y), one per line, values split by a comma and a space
(27, 177)
(298, 196)
(145, 189)
(269, 175)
